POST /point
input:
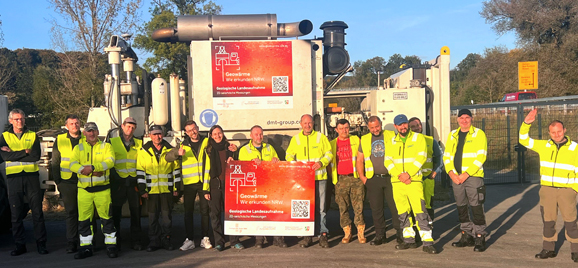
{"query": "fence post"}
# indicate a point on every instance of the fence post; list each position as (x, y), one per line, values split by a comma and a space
(483, 124)
(539, 126)
(509, 139)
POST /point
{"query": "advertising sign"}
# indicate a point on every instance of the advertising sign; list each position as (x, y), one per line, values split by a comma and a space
(270, 199)
(252, 75)
(527, 75)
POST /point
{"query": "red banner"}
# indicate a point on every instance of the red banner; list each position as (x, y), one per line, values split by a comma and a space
(269, 199)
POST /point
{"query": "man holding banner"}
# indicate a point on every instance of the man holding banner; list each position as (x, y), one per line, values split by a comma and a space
(312, 146)
(257, 151)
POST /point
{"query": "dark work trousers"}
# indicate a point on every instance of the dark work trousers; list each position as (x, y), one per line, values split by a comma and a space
(217, 205)
(379, 189)
(472, 193)
(69, 194)
(24, 189)
(123, 189)
(190, 193)
(159, 206)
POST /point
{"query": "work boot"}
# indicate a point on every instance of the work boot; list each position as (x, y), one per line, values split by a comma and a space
(41, 247)
(399, 237)
(544, 254)
(83, 253)
(466, 241)
(575, 256)
(306, 242)
(20, 249)
(480, 243)
(71, 247)
(361, 234)
(347, 234)
(323, 242)
(259, 242)
(279, 241)
(430, 249)
(378, 240)
(167, 243)
(112, 252)
(404, 245)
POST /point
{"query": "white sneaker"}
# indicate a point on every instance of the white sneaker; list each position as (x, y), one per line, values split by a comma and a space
(206, 243)
(188, 244)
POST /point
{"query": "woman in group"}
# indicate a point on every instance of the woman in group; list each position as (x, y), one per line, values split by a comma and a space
(220, 151)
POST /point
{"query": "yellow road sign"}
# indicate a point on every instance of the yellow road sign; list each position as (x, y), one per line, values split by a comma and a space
(527, 75)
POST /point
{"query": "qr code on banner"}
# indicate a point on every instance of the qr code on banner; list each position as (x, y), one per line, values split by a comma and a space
(280, 84)
(300, 209)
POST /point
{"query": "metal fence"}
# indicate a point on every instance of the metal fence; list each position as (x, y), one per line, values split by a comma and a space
(506, 161)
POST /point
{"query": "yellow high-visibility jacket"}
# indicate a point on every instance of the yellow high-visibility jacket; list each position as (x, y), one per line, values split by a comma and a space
(354, 142)
(249, 152)
(366, 148)
(474, 152)
(156, 176)
(558, 166)
(311, 148)
(125, 162)
(405, 157)
(15, 144)
(65, 148)
(100, 155)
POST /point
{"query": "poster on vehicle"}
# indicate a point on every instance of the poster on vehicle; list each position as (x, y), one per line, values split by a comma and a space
(252, 75)
(270, 199)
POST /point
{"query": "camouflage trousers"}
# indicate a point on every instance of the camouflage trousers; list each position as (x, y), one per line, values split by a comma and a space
(350, 192)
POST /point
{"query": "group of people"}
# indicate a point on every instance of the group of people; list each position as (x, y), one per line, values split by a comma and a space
(396, 167)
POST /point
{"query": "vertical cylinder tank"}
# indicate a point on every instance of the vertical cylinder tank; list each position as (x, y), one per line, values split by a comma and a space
(175, 103)
(159, 92)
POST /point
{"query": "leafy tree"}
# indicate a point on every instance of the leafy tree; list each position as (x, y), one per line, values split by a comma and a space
(170, 58)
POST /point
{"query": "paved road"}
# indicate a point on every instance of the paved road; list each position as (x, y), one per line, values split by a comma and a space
(513, 222)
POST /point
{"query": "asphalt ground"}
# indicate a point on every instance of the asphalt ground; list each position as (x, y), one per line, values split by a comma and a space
(513, 219)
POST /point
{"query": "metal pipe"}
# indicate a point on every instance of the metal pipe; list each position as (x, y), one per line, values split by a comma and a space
(147, 103)
(175, 103)
(231, 27)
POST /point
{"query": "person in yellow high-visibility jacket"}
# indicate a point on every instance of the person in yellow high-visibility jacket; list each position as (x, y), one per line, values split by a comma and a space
(558, 167)
(195, 170)
(257, 151)
(156, 182)
(464, 157)
(405, 155)
(92, 161)
(123, 181)
(349, 189)
(20, 149)
(67, 180)
(312, 146)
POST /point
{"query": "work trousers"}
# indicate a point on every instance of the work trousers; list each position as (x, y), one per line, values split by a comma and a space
(122, 190)
(408, 198)
(217, 205)
(379, 189)
(87, 201)
(473, 193)
(190, 193)
(69, 194)
(553, 199)
(428, 193)
(321, 207)
(159, 206)
(22, 190)
(350, 192)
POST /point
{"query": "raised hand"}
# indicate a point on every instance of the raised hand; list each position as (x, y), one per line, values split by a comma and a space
(531, 116)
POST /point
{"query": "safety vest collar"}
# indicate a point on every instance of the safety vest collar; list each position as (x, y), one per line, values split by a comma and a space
(410, 135)
(11, 129)
(568, 142)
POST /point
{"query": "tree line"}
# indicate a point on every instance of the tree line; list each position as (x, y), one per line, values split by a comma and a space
(48, 84)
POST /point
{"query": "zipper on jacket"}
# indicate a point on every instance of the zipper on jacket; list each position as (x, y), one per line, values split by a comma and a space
(307, 148)
(554, 168)
(91, 156)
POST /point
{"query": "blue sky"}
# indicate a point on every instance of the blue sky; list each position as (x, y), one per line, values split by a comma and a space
(376, 28)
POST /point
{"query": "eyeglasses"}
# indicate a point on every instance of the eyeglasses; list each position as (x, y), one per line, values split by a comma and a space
(17, 119)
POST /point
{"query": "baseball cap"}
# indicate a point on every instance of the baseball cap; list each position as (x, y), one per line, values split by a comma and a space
(155, 129)
(129, 120)
(464, 111)
(90, 126)
(400, 119)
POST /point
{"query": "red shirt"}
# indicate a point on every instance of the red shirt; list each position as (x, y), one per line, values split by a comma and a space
(344, 154)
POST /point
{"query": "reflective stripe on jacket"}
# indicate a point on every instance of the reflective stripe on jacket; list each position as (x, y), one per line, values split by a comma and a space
(354, 142)
(65, 148)
(311, 148)
(405, 157)
(193, 165)
(16, 144)
(156, 176)
(100, 155)
(249, 152)
(473, 154)
(125, 162)
(558, 167)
